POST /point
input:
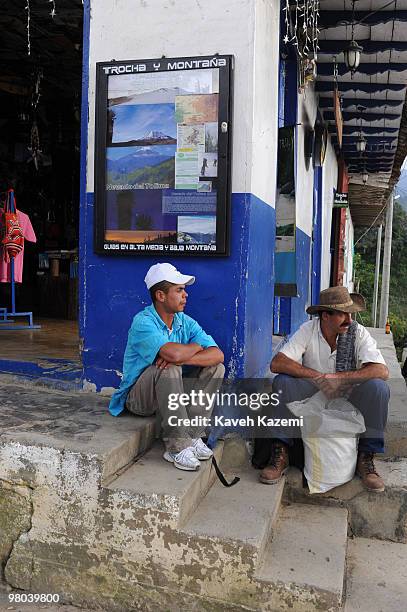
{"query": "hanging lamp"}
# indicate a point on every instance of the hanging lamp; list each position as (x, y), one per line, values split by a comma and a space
(361, 143)
(354, 50)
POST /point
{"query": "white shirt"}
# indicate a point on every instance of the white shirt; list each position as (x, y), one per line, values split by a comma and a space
(309, 348)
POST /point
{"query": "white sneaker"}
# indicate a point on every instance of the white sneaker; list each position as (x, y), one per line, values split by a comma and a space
(202, 452)
(184, 460)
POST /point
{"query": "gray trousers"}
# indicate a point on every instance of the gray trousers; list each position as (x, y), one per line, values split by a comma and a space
(150, 395)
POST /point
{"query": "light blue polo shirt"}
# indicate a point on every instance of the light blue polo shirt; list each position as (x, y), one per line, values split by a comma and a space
(147, 334)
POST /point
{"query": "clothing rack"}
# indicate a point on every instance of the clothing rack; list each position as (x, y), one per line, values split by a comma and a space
(7, 316)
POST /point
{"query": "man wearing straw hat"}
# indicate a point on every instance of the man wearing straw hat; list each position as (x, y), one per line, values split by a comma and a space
(334, 354)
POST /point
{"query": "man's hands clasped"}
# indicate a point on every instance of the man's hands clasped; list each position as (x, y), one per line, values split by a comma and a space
(333, 385)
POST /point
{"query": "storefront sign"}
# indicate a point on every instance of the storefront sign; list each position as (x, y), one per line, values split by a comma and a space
(162, 156)
(341, 200)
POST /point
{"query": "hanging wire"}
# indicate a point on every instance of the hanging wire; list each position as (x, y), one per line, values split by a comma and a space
(305, 28)
(53, 8)
(370, 227)
(352, 72)
(302, 26)
(286, 10)
(317, 30)
(294, 39)
(28, 9)
(335, 71)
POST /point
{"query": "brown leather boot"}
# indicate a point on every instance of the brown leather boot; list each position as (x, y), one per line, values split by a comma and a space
(366, 470)
(279, 464)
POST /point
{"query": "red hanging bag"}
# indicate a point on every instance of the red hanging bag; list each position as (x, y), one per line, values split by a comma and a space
(12, 233)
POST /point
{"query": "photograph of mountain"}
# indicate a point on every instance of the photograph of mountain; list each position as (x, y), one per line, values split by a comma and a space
(164, 95)
(160, 87)
(150, 167)
(142, 125)
(196, 230)
(136, 216)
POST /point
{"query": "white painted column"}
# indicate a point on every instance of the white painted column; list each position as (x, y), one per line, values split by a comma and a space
(376, 274)
(384, 298)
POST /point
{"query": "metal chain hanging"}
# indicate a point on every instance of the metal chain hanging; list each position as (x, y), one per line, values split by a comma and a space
(34, 147)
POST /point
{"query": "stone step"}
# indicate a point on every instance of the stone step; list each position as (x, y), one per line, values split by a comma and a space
(371, 515)
(396, 430)
(376, 576)
(155, 484)
(304, 564)
(231, 527)
(79, 423)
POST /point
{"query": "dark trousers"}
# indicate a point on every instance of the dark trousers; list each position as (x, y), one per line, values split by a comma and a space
(370, 397)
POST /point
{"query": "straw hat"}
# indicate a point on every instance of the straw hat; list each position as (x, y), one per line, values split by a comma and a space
(338, 298)
(359, 300)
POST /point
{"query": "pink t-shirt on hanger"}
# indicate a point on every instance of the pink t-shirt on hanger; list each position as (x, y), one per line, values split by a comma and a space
(29, 235)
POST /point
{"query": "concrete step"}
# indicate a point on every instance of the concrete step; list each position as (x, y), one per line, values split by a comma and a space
(231, 528)
(304, 563)
(242, 515)
(376, 576)
(235, 454)
(372, 515)
(155, 484)
(77, 423)
(396, 430)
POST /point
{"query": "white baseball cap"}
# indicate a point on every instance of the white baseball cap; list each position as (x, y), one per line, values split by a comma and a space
(166, 272)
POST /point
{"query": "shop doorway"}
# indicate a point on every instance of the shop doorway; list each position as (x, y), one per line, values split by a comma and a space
(40, 98)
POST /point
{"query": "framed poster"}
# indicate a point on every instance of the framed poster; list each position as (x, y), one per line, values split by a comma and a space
(162, 156)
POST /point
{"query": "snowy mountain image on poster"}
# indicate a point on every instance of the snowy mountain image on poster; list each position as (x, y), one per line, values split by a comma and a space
(145, 167)
(158, 96)
(142, 125)
(160, 87)
(196, 230)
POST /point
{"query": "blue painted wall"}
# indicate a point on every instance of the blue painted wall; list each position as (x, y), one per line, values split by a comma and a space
(317, 236)
(232, 298)
(260, 289)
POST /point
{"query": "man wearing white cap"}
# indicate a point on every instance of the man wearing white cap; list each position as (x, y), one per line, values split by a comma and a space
(162, 339)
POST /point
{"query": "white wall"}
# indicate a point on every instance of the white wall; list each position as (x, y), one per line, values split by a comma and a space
(307, 112)
(247, 29)
(329, 182)
(304, 186)
(265, 107)
(122, 29)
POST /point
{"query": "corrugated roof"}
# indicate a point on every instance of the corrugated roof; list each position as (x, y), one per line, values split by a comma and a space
(373, 98)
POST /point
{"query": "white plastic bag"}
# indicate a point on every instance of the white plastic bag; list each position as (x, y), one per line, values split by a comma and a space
(330, 440)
